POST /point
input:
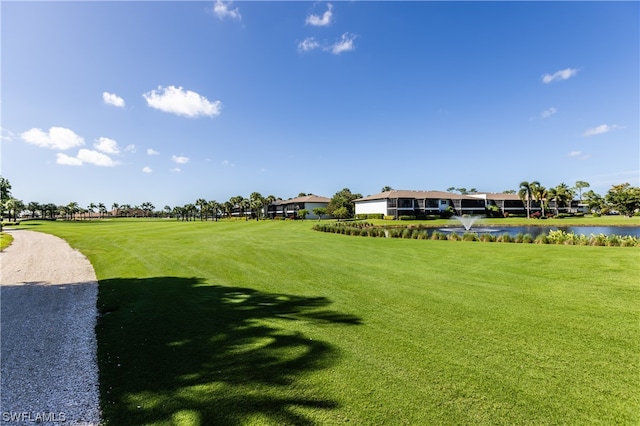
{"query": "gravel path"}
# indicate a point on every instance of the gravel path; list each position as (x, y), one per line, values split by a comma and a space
(48, 370)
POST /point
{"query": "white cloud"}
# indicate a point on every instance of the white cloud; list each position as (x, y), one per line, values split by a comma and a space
(57, 138)
(180, 160)
(65, 160)
(86, 156)
(344, 45)
(175, 170)
(221, 9)
(6, 135)
(318, 21)
(151, 151)
(106, 145)
(96, 158)
(112, 99)
(227, 163)
(308, 44)
(548, 112)
(131, 148)
(564, 74)
(178, 101)
(147, 169)
(603, 128)
(575, 153)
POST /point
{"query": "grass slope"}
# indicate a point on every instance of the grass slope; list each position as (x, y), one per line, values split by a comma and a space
(272, 323)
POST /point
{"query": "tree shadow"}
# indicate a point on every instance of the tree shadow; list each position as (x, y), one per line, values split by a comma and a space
(177, 350)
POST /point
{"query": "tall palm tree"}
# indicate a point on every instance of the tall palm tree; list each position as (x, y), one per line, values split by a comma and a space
(214, 207)
(562, 194)
(202, 205)
(539, 194)
(102, 210)
(525, 194)
(256, 201)
(227, 206)
(268, 200)
(245, 205)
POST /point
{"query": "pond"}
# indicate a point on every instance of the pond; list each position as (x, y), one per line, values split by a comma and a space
(534, 231)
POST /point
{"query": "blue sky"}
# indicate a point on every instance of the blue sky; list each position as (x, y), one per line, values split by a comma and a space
(168, 102)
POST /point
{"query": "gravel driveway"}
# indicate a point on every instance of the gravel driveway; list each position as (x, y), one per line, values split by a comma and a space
(48, 371)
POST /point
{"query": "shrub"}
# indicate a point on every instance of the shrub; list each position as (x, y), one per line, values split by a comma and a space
(536, 215)
(389, 217)
(470, 236)
(527, 239)
(542, 239)
(406, 217)
(454, 237)
(487, 238)
(504, 238)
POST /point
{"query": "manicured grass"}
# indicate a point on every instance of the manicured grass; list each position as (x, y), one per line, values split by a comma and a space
(273, 323)
(5, 240)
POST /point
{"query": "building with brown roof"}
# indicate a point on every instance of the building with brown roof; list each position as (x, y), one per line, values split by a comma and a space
(398, 203)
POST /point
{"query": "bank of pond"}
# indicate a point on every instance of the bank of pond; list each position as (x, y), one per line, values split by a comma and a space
(613, 236)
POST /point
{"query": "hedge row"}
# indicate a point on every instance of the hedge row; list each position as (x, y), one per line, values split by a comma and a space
(420, 233)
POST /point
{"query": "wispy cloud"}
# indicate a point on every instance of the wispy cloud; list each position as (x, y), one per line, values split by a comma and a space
(564, 74)
(603, 128)
(6, 135)
(308, 44)
(227, 163)
(321, 21)
(181, 102)
(56, 138)
(548, 112)
(345, 44)
(106, 145)
(579, 155)
(112, 99)
(223, 10)
(151, 151)
(180, 160)
(175, 170)
(131, 148)
(147, 169)
(86, 156)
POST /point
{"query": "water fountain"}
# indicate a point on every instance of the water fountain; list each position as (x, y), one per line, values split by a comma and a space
(467, 222)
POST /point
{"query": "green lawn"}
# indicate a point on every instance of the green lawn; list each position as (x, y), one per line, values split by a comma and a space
(273, 323)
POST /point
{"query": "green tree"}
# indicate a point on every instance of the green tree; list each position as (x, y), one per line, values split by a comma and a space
(102, 210)
(525, 194)
(386, 189)
(580, 185)
(320, 211)
(302, 213)
(624, 198)
(256, 201)
(539, 194)
(595, 202)
(34, 207)
(562, 195)
(202, 206)
(343, 199)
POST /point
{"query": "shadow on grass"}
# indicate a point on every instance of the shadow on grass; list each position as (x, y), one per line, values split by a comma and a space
(178, 351)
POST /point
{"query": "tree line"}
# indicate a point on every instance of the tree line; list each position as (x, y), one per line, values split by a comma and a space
(623, 199)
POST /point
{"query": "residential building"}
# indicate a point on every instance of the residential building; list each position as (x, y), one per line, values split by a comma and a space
(290, 208)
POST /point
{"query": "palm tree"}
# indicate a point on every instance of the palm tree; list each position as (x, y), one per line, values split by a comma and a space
(214, 207)
(580, 185)
(245, 205)
(561, 194)
(34, 207)
(256, 201)
(91, 208)
(73, 208)
(227, 206)
(167, 210)
(202, 204)
(102, 210)
(525, 194)
(269, 199)
(539, 194)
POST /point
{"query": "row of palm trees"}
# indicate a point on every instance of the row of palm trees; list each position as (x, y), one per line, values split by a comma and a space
(254, 206)
(560, 194)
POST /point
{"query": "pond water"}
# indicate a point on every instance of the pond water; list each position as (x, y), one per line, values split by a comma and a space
(534, 231)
